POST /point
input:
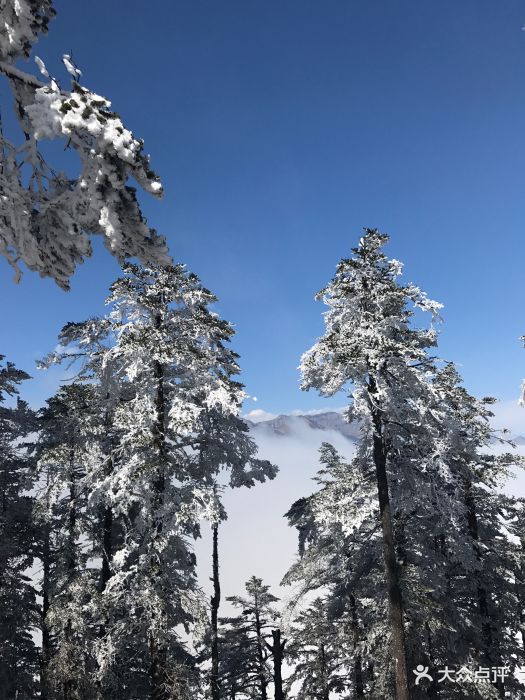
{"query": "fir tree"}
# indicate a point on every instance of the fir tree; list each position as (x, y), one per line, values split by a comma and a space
(18, 612)
(252, 628)
(340, 556)
(65, 449)
(369, 343)
(165, 375)
(420, 465)
(237, 661)
(316, 655)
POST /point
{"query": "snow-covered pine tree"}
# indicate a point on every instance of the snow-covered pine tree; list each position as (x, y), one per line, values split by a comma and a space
(340, 557)
(168, 371)
(248, 633)
(370, 346)
(484, 583)
(47, 215)
(315, 652)
(179, 431)
(18, 612)
(424, 446)
(66, 448)
(237, 661)
(443, 575)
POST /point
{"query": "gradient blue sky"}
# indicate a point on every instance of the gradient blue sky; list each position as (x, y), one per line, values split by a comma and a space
(279, 130)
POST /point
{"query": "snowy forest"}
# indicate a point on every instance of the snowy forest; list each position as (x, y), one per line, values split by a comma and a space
(409, 575)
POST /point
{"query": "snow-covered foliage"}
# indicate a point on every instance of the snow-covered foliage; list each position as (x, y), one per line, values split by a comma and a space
(162, 374)
(316, 653)
(340, 552)
(18, 616)
(22, 22)
(66, 452)
(244, 639)
(398, 532)
(48, 215)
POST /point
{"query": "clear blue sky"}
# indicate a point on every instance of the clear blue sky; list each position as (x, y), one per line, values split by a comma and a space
(279, 130)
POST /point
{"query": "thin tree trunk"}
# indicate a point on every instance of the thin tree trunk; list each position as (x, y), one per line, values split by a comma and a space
(358, 670)
(262, 677)
(106, 524)
(277, 654)
(215, 602)
(158, 652)
(324, 673)
(491, 654)
(46, 584)
(71, 562)
(520, 586)
(395, 599)
(107, 517)
(46, 637)
(72, 519)
(107, 546)
(472, 521)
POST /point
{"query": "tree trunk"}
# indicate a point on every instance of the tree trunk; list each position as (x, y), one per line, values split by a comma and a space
(483, 607)
(358, 671)
(277, 654)
(215, 602)
(157, 671)
(520, 585)
(72, 520)
(46, 637)
(68, 686)
(107, 547)
(158, 652)
(46, 601)
(324, 673)
(106, 525)
(262, 676)
(491, 654)
(395, 599)
(107, 517)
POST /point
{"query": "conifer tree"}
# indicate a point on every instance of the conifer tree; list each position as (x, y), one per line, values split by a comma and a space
(252, 628)
(420, 464)
(318, 666)
(162, 357)
(340, 556)
(237, 661)
(65, 449)
(487, 585)
(18, 612)
(370, 345)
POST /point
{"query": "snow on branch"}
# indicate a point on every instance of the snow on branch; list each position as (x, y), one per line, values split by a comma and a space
(47, 217)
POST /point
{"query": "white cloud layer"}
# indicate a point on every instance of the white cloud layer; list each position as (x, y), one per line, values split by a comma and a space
(509, 414)
(258, 415)
(256, 539)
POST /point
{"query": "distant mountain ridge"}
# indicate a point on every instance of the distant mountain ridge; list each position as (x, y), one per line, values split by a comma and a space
(291, 424)
(286, 424)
